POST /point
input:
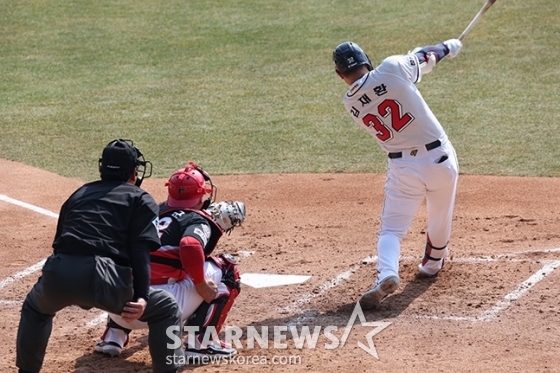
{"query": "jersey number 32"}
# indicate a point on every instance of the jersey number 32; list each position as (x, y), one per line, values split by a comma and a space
(390, 111)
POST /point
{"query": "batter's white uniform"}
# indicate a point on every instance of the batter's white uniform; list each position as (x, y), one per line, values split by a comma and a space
(184, 292)
(388, 105)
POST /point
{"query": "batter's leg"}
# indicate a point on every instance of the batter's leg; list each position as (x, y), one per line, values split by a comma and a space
(440, 202)
(388, 254)
(404, 192)
(433, 260)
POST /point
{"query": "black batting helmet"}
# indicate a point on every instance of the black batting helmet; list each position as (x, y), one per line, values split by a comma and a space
(120, 158)
(347, 56)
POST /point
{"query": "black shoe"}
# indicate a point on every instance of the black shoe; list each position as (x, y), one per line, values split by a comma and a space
(211, 350)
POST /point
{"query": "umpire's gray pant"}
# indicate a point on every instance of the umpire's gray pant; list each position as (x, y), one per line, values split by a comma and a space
(70, 282)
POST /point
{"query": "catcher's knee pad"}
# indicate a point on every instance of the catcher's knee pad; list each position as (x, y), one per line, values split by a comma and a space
(215, 313)
(209, 315)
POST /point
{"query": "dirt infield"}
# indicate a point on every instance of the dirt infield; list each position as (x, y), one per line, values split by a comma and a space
(494, 308)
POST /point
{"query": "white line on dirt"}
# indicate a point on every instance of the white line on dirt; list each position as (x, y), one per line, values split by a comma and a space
(520, 290)
(492, 313)
(22, 274)
(98, 320)
(11, 302)
(36, 266)
(28, 206)
(295, 306)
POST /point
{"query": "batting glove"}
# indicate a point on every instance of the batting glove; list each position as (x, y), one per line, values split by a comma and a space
(454, 46)
(428, 66)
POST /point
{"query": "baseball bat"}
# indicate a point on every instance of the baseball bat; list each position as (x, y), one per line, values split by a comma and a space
(483, 10)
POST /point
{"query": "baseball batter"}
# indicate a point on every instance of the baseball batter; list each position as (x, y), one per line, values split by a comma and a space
(421, 160)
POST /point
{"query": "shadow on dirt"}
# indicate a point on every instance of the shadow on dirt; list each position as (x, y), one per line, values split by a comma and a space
(390, 308)
(267, 330)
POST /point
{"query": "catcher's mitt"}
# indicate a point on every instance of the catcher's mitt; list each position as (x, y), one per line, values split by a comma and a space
(227, 214)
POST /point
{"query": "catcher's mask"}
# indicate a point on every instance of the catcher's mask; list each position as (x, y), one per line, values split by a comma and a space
(348, 56)
(190, 185)
(227, 214)
(120, 158)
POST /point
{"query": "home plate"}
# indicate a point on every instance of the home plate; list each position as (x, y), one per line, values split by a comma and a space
(264, 280)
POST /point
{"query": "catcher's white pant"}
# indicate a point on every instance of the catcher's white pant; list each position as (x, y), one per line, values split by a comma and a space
(417, 175)
(184, 292)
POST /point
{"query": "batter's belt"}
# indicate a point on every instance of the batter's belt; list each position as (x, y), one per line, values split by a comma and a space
(430, 146)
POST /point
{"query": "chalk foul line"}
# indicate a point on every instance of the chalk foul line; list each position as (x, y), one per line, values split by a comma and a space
(22, 274)
(28, 206)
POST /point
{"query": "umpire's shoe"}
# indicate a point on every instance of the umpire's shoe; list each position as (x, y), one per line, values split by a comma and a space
(373, 297)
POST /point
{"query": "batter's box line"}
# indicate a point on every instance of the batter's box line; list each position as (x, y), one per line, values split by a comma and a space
(503, 304)
(297, 305)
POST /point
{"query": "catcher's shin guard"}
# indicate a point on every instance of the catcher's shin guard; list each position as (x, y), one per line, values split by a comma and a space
(208, 315)
(434, 258)
(215, 313)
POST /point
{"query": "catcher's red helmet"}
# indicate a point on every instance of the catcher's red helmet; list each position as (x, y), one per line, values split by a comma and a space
(187, 187)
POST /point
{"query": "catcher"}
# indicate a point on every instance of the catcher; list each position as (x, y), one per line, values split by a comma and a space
(204, 286)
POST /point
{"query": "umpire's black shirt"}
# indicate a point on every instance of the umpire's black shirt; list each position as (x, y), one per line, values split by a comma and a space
(107, 218)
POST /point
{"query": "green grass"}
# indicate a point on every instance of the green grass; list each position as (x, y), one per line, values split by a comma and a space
(248, 86)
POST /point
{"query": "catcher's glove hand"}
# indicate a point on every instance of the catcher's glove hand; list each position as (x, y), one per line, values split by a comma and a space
(227, 214)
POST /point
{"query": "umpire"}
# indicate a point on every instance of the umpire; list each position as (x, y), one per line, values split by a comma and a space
(104, 235)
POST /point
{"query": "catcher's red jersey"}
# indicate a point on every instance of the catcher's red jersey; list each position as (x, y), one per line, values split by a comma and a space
(173, 226)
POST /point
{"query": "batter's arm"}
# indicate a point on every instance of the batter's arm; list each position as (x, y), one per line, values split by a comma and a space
(448, 48)
(430, 55)
(439, 51)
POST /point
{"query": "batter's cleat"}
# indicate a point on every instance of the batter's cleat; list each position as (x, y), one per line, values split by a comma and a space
(112, 349)
(372, 298)
(427, 272)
